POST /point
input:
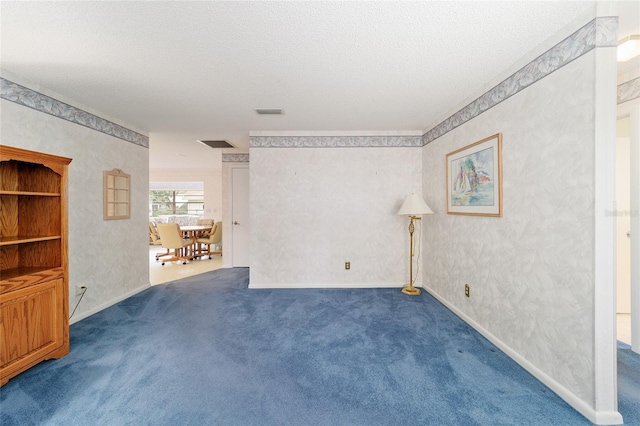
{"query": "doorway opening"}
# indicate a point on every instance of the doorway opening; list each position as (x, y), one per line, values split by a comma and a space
(181, 202)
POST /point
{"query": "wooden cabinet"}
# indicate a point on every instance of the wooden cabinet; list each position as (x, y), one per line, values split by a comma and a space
(34, 288)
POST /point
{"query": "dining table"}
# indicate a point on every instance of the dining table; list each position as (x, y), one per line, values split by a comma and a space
(194, 232)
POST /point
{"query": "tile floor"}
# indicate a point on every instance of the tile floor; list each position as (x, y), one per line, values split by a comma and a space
(159, 274)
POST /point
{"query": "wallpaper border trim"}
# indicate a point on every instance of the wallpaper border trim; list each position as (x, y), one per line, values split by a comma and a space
(629, 90)
(29, 98)
(599, 32)
(235, 158)
(335, 141)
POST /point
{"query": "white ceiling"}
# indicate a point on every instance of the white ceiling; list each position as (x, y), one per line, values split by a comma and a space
(197, 70)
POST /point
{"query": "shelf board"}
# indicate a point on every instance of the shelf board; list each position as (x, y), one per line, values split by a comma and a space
(9, 274)
(38, 194)
(21, 239)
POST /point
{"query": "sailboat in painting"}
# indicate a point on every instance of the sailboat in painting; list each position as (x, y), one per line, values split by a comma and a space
(462, 185)
(472, 185)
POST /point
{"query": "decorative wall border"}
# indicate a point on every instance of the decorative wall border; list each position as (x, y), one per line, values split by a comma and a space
(600, 32)
(24, 96)
(629, 90)
(334, 141)
(235, 158)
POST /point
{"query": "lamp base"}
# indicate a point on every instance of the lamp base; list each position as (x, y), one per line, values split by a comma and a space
(411, 290)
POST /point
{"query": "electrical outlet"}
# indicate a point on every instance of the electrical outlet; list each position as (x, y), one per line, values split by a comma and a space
(80, 289)
(466, 290)
(347, 265)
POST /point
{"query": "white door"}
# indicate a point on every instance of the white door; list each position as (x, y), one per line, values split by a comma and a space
(628, 127)
(623, 222)
(240, 227)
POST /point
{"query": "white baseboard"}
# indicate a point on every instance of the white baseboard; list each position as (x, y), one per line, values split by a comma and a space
(105, 305)
(600, 418)
(336, 285)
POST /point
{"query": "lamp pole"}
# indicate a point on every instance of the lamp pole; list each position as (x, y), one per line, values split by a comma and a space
(410, 289)
(414, 207)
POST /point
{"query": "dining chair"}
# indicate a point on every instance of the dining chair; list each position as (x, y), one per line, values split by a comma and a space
(212, 241)
(154, 238)
(205, 222)
(171, 238)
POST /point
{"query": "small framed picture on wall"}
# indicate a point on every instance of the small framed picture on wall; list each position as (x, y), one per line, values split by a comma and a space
(474, 178)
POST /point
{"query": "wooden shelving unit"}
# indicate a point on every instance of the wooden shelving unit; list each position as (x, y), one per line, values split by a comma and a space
(34, 288)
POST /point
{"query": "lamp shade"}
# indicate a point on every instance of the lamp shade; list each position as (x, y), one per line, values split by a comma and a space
(414, 205)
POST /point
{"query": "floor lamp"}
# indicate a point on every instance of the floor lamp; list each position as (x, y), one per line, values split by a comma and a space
(414, 207)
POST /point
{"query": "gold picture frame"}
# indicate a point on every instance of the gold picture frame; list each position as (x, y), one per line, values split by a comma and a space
(474, 178)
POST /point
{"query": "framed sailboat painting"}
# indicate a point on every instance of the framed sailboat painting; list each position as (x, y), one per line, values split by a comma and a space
(474, 178)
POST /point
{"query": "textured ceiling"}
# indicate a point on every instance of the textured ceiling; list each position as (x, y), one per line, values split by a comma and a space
(197, 70)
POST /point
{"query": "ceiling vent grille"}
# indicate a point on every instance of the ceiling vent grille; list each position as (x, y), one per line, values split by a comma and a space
(217, 144)
(269, 111)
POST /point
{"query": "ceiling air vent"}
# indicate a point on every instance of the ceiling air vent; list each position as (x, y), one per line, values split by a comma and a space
(269, 111)
(216, 144)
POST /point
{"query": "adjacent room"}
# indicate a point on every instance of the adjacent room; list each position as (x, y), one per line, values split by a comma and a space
(183, 203)
(366, 213)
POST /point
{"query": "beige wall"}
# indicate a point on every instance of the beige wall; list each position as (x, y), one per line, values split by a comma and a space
(531, 272)
(312, 209)
(108, 257)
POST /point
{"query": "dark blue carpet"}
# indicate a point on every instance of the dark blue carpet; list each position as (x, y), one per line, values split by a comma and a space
(628, 384)
(206, 350)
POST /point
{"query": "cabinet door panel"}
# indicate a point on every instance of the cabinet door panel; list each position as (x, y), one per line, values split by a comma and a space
(31, 325)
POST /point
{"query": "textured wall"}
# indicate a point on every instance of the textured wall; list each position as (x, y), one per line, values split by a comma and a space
(103, 255)
(531, 272)
(312, 209)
